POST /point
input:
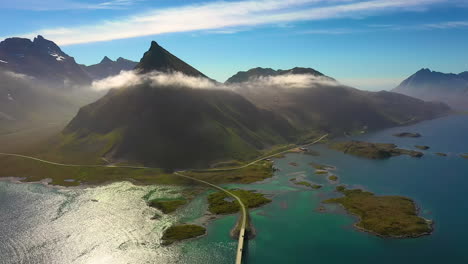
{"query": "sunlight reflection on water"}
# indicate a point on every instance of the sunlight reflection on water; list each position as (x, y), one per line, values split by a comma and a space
(106, 224)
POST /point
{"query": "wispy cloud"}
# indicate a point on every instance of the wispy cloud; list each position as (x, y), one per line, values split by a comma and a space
(223, 15)
(388, 27)
(128, 79)
(54, 5)
(447, 25)
(372, 84)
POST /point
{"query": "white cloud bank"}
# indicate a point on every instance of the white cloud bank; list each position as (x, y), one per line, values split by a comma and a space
(54, 5)
(224, 15)
(157, 79)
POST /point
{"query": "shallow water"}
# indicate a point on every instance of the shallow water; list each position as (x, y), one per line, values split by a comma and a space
(39, 224)
(291, 230)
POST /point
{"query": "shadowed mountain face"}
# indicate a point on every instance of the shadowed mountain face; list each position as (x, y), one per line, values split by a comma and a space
(181, 127)
(108, 67)
(159, 59)
(436, 86)
(244, 76)
(335, 108)
(24, 103)
(41, 59)
(175, 126)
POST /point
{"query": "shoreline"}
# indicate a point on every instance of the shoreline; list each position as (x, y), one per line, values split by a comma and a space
(430, 224)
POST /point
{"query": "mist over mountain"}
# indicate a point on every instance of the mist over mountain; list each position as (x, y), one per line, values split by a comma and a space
(108, 67)
(43, 60)
(318, 102)
(168, 114)
(25, 103)
(256, 73)
(436, 86)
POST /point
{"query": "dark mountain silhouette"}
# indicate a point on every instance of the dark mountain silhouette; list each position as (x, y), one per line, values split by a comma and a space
(174, 126)
(24, 103)
(108, 67)
(244, 76)
(41, 59)
(334, 107)
(159, 59)
(436, 86)
(182, 127)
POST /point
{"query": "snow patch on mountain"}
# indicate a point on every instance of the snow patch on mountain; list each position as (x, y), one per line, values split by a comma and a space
(2, 61)
(57, 57)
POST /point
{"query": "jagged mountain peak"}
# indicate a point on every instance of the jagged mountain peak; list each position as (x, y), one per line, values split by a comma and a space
(159, 59)
(244, 76)
(106, 60)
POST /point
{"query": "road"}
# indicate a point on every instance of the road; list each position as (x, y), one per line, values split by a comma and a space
(243, 222)
(262, 158)
(240, 245)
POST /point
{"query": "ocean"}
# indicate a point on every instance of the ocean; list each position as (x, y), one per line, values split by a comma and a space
(112, 224)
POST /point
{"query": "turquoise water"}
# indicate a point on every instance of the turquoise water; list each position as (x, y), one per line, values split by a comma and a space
(39, 224)
(291, 230)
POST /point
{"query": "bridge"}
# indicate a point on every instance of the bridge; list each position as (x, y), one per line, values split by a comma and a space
(244, 216)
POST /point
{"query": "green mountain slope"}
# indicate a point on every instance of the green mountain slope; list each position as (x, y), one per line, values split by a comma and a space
(177, 127)
(337, 109)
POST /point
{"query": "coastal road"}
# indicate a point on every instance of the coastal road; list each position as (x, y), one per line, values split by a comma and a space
(243, 222)
(262, 158)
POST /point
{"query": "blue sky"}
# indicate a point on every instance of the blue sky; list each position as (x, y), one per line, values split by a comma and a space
(370, 44)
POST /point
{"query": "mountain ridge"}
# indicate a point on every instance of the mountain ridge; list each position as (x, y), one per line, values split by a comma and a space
(159, 59)
(182, 127)
(244, 76)
(107, 67)
(42, 59)
(430, 85)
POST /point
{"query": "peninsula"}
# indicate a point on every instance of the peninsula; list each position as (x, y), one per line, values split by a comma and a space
(385, 216)
(373, 150)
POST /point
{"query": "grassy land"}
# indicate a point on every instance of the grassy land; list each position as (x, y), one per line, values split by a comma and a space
(181, 232)
(387, 216)
(32, 170)
(257, 172)
(167, 206)
(333, 178)
(441, 154)
(222, 203)
(321, 172)
(372, 150)
(318, 166)
(465, 156)
(422, 147)
(308, 184)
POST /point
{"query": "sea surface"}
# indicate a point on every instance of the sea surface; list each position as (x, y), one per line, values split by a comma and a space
(112, 224)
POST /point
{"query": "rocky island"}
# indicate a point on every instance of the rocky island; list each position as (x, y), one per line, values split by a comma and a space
(221, 203)
(182, 232)
(373, 150)
(422, 147)
(407, 134)
(385, 216)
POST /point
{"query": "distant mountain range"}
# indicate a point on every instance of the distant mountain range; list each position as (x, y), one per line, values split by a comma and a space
(436, 86)
(180, 127)
(244, 76)
(108, 67)
(43, 60)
